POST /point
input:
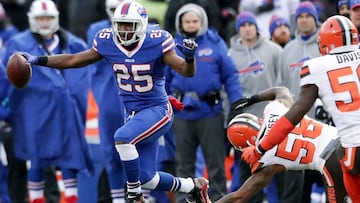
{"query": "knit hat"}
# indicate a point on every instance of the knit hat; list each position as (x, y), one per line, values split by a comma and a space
(342, 2)
(354, 3)
(275, 22)
(245, 17)
(307, 7)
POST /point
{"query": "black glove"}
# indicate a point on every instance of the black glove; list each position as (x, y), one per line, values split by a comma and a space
(188, 48)
(245, 102)
(321, 113)
(233, 112)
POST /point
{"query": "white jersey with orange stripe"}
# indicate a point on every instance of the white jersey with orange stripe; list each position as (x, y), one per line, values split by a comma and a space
(337, 78)
(308, 146)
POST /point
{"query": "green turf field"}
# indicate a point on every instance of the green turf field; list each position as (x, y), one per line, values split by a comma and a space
(155, 9)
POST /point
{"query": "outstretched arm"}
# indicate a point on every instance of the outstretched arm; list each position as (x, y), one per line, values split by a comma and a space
(63, 61)
(252, 185)
(286, 123)
(279, 93)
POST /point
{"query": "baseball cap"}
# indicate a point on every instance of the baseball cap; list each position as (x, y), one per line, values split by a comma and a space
(354, 3)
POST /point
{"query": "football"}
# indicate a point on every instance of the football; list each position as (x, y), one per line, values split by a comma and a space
(18, 72)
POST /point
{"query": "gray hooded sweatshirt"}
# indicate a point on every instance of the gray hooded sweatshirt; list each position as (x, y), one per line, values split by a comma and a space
(258, 67)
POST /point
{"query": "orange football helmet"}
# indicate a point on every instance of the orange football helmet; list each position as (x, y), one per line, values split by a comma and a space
(337, 34)
(243, 129)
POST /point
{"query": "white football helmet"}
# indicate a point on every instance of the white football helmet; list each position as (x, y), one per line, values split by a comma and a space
(134, 15)
(41, 8)
(110, 6)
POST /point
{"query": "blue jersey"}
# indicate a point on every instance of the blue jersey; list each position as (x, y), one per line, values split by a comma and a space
(140, 72)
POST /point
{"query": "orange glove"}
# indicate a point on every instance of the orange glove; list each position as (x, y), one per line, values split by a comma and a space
(251, 155)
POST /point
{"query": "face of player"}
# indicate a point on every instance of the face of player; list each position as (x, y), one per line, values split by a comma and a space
(248, 32)
(306, 24)
(126, 30)
(191, 22)
(45, 22)
(281, 35)
(355, 16)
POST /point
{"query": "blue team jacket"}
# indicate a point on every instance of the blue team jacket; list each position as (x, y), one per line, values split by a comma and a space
(48, 115)
(214, 70)
(106, 94)
(4, 84)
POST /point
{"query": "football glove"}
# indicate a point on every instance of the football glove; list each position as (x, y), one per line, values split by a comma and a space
(177, 104)
(251, 155)
(30, 59)
(188, 48)
(321, 113)
(245, 102)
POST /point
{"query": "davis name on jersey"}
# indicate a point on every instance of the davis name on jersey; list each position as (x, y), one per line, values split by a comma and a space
(140, 72)
(307, 146)
(337, 79)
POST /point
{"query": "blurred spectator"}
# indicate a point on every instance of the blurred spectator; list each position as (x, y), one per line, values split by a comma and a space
(229, 11)
(201, 121)
(279, 30)
(265, 9)
(51, 132)
(111, 110)
(211, 6)
(257, 70)
(79, 15)
(355, 13)
(303, 47)
(16, 11)
(343, 8)
(325, 8)
(7, 30)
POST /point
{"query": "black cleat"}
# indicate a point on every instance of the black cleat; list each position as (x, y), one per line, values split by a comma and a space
(199, 193)
(132, 197)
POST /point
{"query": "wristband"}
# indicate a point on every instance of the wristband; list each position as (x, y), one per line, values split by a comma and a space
(189, 59)
(260, 149)
(277, 134)
(254, 99)
(42, 61)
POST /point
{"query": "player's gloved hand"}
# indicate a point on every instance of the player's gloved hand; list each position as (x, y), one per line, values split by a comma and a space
(177, 104)
(245, 102)
(251, 155)
(321, 113)
(30, 59)
(188, 48)
(233, 112)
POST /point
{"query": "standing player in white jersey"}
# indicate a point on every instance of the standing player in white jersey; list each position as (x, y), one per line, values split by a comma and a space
(310, 145)
(334, 78)
(138, 56)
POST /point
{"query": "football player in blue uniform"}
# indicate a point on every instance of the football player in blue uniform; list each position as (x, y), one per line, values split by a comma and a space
(138, 56)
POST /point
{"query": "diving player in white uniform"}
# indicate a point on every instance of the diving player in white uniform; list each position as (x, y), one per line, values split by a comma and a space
(311, 145)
